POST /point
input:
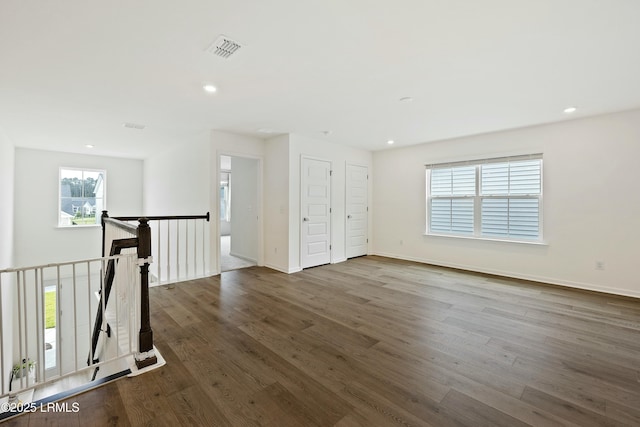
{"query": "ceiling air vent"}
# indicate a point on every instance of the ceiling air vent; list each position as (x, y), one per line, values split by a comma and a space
(224, 47)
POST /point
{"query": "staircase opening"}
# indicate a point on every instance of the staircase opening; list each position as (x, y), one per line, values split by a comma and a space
(70, 326)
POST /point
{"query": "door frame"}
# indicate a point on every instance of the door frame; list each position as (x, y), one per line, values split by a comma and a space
(216, 204)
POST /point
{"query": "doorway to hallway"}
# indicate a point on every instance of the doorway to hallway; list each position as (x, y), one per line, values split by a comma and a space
(239, 212)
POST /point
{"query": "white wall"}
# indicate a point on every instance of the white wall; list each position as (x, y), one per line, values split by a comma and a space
(38, 239)
(279, 203)
(591, 204)
(339, 156)
(244, 208)
(178, 181)
(276, 203)
(6, 248)
(6, 207)
(184, 180)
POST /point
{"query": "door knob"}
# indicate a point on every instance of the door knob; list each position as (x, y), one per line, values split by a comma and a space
(305, 219)
(348, 216)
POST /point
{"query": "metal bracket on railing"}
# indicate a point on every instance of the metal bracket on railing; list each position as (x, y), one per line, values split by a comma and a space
(147, 260)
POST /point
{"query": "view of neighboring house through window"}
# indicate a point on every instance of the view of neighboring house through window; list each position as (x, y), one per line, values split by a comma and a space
(82, 198)
(493, 198)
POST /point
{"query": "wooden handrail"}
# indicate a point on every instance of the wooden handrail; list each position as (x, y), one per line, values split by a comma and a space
(163, 217)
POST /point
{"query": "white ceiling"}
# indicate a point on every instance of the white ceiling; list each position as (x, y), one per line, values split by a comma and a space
(73, 71)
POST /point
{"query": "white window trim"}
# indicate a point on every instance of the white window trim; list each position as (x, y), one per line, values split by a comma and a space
(104, 197)
(477, 218)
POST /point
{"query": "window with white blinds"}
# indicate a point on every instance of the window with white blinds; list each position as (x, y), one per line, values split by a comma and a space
(452, 191)
(492, 198)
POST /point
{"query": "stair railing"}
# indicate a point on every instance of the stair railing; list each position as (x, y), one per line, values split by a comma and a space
(46, 320)
(24, 293)
(118, 236)
(185, 249)
(180, 247)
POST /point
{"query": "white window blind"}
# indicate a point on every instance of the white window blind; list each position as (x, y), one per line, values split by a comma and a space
(516, 218)
(517, 215)
(451, 209)
(492, 198)
(511, 178)
(452, 216)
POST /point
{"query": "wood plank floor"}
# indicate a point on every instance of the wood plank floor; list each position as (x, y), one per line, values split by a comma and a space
(377, 342)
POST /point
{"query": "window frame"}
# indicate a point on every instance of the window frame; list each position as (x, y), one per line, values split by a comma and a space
(59, 223)
(478, 198)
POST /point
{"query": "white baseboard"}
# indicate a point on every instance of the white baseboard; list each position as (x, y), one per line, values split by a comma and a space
(243, 257)
(515, 275)
(283, 269)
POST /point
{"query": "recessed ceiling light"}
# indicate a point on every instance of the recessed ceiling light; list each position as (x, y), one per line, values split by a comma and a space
(89, 145)
(390, 142)
(570, 110)
(209, 88)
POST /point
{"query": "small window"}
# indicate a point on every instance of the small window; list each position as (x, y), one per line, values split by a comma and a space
(492, 198)
(225, 196)
(82, 197)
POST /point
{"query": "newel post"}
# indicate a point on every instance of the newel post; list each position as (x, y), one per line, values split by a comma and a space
(145, 356)
(104, 231)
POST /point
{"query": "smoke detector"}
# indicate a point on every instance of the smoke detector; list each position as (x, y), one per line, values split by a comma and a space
(224, 47)
(133, 126)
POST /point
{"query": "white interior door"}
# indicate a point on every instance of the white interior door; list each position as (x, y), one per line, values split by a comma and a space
(357, 203)
(315, 212)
